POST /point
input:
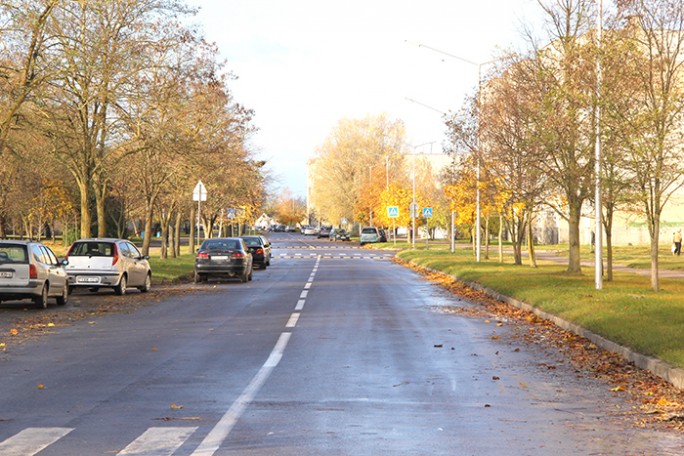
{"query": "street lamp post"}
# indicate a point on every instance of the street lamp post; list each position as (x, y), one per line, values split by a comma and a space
(598, 244)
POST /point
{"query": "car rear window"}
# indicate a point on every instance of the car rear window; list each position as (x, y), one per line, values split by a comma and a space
(219, 244)
(105, 249)
(252, 242)
(13, 253)
(369, 231)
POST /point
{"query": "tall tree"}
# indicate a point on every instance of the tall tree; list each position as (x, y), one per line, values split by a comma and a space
(563, 73)
(653, 117)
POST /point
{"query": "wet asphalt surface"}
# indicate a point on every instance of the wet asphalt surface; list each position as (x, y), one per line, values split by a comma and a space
(332, 350)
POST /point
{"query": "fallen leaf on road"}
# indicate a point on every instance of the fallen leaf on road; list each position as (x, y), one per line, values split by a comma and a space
(176, 407)
(618, 389)
(41, 386)
(14, 332)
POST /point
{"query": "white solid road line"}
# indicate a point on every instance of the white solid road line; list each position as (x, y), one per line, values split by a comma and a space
(158, 441)
(31, 440)
(213, 441)
(219, 433)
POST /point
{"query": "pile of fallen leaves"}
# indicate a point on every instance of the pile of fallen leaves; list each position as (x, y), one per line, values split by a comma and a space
(657, 402)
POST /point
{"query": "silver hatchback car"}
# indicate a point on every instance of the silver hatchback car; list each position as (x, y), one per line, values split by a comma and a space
(30, 270)
(108, 263)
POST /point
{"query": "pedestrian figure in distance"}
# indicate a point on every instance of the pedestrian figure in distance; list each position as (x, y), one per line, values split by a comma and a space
(677, 239)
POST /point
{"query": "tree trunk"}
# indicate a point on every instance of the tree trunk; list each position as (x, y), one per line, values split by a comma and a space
(486, 238)
(177, 237)
(193, 224)
(164, 235)
(100, 199)
(655, 237)
(574, 265)
(149, 213)
(530, 242)
(608, 225)
(501, 231)
(85, 209)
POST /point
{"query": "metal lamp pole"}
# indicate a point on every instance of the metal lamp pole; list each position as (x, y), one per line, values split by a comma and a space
(598, 244)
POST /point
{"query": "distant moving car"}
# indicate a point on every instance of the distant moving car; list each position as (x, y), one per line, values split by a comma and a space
(260, 248)
(339, 234)
(226, 257)
(30, 270)
(108, 263)
(324, 232)
(371, 234)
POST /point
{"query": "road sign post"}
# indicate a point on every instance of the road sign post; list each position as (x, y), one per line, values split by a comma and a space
(413, 209)
(427, 213)
(393, 213)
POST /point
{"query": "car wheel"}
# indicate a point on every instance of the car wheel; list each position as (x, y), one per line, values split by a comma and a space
(62, 300)
(41, 301)
(148, 283)
(120, 289)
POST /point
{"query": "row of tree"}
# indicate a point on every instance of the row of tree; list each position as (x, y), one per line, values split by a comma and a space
(534, 126)
(531, 133)
(110, 112)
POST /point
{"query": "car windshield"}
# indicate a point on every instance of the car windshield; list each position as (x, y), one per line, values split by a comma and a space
(13, 253)
(221, 244)
(92, 248)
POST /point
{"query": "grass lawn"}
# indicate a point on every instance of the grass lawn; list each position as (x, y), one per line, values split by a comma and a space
(625, 311)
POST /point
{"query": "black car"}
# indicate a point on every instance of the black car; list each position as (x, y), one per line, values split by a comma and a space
(339, 234)
(223, 257)
(260, 248)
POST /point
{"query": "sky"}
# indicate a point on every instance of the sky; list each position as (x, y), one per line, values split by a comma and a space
(304, 65)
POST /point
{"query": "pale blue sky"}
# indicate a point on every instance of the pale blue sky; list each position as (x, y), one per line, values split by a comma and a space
(305, 64)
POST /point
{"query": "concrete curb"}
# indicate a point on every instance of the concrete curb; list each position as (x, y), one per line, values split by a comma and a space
(673, 375)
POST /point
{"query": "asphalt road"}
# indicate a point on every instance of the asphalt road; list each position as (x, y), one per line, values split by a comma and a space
(332, 350)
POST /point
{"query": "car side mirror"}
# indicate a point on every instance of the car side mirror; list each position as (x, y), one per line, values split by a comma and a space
(62, 261)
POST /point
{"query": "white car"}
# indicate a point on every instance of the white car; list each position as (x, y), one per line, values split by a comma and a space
(30, 270)
(108, 263)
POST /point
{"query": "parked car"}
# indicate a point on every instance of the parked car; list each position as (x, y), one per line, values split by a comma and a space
(260, 248)
(339, 234)
(309, 230)
(227, 257)
(371, 234)
(324, 232)
(30, 270)
(108, 263)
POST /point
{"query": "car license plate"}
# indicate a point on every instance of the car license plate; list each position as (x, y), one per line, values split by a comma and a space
(6, 274)
(220, 257)
(88, 280)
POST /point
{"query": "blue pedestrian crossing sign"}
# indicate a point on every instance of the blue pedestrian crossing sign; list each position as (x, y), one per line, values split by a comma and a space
(392, 211)
(427, 212)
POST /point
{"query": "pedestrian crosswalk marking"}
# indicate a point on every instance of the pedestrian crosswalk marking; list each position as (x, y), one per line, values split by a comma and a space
(158, 441)
(31, 440)
(329, 256)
